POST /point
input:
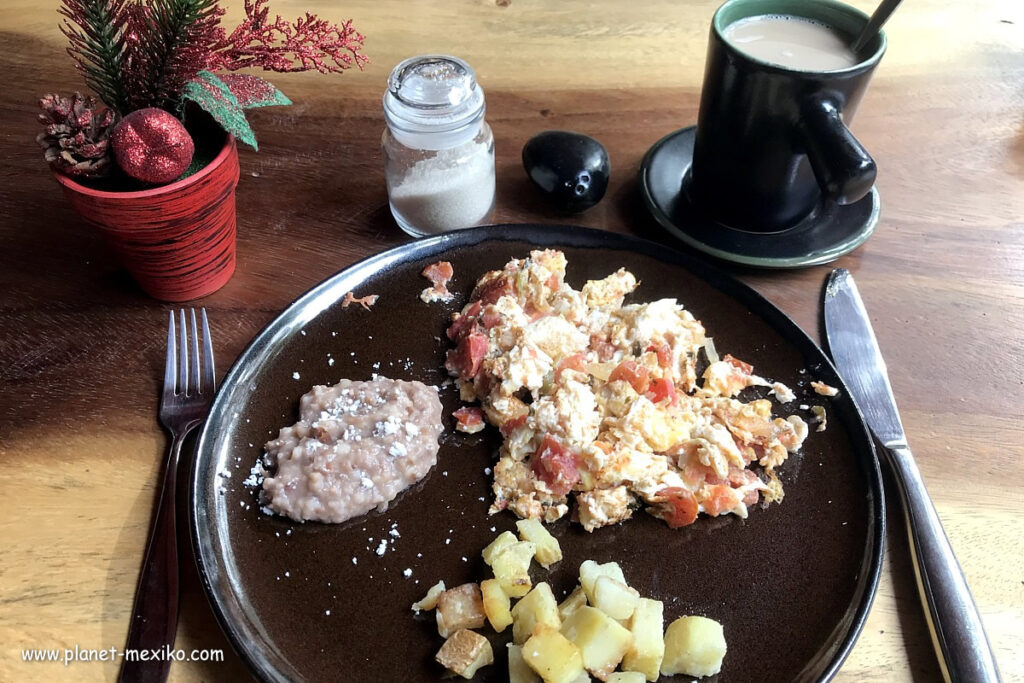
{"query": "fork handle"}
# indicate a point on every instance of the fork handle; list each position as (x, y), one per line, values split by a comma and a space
(965, 655)
(155, 616)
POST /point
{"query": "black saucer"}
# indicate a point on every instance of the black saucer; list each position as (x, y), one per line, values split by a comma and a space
(828, 232)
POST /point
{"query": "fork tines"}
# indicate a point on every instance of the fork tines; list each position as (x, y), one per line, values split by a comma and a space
(182, 369)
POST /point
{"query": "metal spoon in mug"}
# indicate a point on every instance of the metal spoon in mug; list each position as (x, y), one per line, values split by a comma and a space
(874, 25)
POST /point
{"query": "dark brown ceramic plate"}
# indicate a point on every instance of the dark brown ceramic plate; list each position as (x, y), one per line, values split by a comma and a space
(792, 584)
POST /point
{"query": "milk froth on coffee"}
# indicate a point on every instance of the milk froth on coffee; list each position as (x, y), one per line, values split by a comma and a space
(791, 41)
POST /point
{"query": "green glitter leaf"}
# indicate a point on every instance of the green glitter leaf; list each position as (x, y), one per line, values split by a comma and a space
(216, 98)
(253, 91)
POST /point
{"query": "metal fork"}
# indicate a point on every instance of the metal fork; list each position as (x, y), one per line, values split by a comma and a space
(187, 393)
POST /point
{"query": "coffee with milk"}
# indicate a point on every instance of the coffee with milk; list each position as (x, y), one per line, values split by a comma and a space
(793, 42)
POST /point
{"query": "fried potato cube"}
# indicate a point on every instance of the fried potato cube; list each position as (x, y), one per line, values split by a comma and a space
(458, 608)
(497, 605)
(572, 603)
(537, 608)
(694, 646)
(548, 550)
(602, 641)
(626, 677)
(511, 567)
(518, 670)
(464, 652)
(553, 656)
(648, 648)
(504, 539)
(614, 597)
(429, 600)
(590, 570)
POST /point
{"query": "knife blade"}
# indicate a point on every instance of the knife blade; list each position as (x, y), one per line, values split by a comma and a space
(953, 619)
(855, 351)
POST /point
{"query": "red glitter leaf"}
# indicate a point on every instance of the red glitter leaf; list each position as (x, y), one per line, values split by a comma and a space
(214, 97)
(253, 91)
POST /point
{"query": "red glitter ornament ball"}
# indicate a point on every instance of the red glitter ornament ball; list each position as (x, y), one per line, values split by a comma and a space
(151, 145)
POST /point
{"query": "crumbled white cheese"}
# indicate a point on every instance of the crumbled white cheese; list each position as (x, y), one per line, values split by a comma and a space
(255, 477)
(782, 392)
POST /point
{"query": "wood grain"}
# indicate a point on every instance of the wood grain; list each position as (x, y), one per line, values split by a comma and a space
(81, 348)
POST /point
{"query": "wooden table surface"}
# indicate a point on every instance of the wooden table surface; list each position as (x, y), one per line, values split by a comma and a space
(82, 349)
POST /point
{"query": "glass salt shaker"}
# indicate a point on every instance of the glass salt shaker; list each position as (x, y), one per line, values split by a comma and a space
(438, 150)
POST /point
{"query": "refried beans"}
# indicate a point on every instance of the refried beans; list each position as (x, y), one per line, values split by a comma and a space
(356, 446)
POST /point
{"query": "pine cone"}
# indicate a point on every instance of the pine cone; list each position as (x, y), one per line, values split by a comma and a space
(76, 137)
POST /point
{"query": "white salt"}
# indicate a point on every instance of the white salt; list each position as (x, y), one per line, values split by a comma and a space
(446, 191)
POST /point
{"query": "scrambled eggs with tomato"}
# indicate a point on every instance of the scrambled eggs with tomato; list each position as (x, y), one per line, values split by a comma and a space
(600, 401)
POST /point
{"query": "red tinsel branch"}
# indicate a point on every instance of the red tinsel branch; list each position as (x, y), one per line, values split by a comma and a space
(308, 43)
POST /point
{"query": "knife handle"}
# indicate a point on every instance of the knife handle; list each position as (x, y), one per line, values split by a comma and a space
(956, 629)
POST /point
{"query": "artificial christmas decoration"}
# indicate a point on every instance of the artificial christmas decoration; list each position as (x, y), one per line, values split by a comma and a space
(166, 54)
(160, 186)
(76, 136)
(152, 146)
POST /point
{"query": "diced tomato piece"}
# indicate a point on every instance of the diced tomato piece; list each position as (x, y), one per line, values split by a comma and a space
(745, 368)
(695, 474)
(662, 389)
(720, 498)
(555, 465)
(491, 317)
(492, 290)
(713, 479)
(664, 352)
(512, 424)
(632, 372)
(466, 358)
(576, 362)
(463, 322)
(470, 419)
(740, 477)
(439, 273)
(677, 506)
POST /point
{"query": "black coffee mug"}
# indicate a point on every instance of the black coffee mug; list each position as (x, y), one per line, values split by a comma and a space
(772, 141)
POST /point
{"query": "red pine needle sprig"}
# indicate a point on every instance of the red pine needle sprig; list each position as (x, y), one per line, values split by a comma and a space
(168, 43)
(308, 43)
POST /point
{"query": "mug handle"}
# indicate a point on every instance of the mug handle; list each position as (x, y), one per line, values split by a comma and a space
(844, 169)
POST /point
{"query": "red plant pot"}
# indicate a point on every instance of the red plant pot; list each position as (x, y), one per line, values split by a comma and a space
(177, 240)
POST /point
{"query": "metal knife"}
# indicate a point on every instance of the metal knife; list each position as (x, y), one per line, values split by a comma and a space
(953, 619)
